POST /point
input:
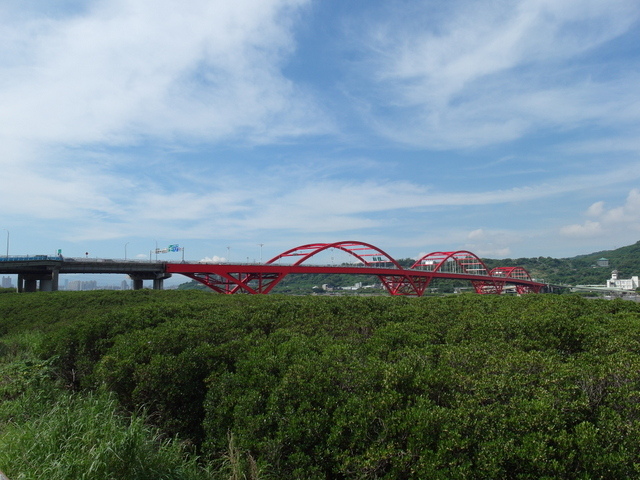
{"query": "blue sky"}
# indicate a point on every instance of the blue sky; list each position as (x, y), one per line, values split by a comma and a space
(508, 128)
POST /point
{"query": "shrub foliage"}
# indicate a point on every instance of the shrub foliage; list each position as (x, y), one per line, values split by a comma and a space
(466, 386)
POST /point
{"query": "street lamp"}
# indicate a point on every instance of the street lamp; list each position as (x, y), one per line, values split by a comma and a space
(261, 244)
(7, 243)
(125, 250)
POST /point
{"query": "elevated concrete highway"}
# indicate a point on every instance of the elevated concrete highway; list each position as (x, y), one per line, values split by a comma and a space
(41, 272)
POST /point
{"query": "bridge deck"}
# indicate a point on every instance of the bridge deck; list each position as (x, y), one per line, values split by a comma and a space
(233, 278)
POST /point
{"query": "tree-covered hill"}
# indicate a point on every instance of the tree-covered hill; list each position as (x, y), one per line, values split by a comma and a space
(303, 387)
(581, 269)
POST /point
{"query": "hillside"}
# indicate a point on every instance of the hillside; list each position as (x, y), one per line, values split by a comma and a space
(581, 269)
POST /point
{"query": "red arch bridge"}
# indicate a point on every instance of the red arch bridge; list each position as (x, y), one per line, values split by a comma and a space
(366, 260)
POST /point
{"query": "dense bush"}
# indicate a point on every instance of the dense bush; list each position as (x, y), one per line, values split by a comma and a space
(464, 386)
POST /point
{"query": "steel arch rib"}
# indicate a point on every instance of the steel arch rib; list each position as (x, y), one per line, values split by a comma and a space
(516, 273)
(400, 284)
(446, 256)
(441, 258)
(319, 247)
(311, 249)
(511, 272)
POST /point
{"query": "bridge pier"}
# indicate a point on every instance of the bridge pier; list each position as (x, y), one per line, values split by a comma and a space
(158, 280)
(33, 282)
(137, 282)
(49, 283)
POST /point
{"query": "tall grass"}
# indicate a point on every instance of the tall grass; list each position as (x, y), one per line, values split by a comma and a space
(239, 465)
(49, 433)
(84, 437)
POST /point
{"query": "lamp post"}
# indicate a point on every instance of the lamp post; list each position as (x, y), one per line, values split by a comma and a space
(7, 243)
(261, 244)
(125, 250)
(156, 250)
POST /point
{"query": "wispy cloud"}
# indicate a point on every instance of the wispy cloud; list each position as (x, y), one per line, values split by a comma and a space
(130, 73)
(488, 75)
(222, 120)
(300, 203)
(614, 222)
(130, 70)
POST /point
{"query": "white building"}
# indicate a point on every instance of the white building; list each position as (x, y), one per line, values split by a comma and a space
(625, 284)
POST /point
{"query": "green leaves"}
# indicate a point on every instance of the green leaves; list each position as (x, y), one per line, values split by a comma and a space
(465, 386)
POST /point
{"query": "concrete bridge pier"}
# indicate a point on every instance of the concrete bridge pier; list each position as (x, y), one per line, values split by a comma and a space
(158, 280)
(49, 283)
(25, 285)
(137, 282)
(44, 282)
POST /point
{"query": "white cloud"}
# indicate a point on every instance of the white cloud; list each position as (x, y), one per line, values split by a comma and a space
(86, 89)
(295, 202)
(203, 69)
(491, 243)
(587, 229)
(213, 259)
(129, 72)
(489, 75)
(617, 222)
(596, 209)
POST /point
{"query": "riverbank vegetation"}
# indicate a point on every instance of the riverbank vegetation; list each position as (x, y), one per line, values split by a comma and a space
(189, 384)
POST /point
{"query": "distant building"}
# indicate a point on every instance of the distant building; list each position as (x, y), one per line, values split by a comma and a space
(82, 285)
(6, 282)
(603, 262)
(625, 284)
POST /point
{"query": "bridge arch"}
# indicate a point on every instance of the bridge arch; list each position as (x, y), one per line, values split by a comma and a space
(516, 273)
(511, 272)
(359, 250)
(460, 261)
(393, 277)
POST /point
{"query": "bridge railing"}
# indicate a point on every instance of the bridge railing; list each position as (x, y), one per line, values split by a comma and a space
(28, 258)
(60, 258)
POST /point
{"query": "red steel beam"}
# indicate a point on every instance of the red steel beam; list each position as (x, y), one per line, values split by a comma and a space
(233, 278)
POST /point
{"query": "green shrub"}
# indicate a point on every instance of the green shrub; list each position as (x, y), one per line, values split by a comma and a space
(463, 386)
